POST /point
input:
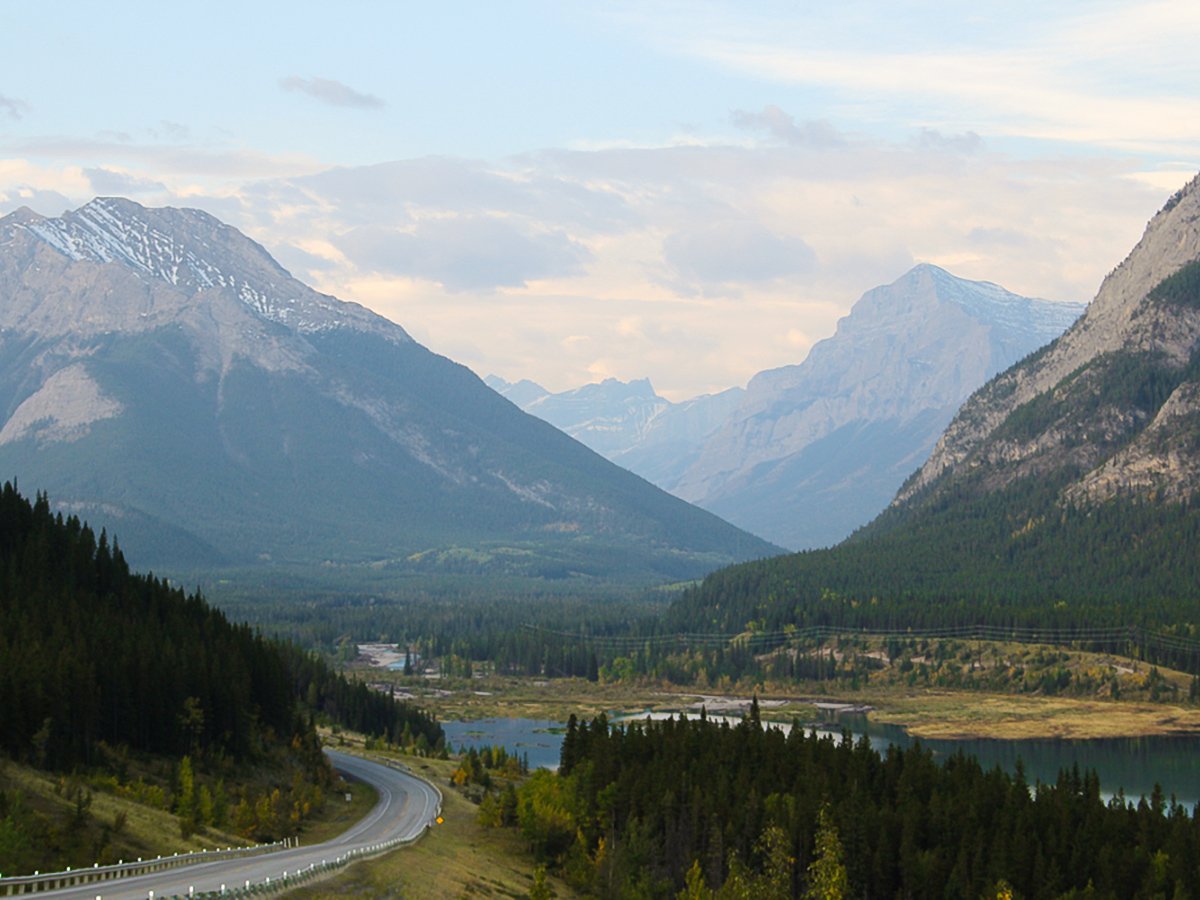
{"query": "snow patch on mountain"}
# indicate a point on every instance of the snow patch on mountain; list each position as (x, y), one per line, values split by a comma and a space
(1000, 308)
(193, 251)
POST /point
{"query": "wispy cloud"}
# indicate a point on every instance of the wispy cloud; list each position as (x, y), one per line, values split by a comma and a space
(171, 131)
(465, 253)
(12, 107)
(111, 181)
(1120, 75)
(174, 159)
(332, 92)
(697, 266)
(723, 253)
(783, 127)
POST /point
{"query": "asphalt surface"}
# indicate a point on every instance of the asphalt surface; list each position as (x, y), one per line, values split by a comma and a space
(406, 805)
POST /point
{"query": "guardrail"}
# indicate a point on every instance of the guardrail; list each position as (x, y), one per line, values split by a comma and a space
(29, 884)
(52, 881)
(316, 870)
(300, 876)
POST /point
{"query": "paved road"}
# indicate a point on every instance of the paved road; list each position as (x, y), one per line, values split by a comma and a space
(406, 805)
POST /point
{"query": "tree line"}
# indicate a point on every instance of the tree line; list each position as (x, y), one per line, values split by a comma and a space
(1014, 559)
(690, 808)
(96, 653)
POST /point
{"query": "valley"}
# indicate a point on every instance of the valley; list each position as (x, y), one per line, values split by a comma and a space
(337, 488)
(611, 451)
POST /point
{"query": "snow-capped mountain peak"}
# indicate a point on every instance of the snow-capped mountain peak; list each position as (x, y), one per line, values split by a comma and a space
(1000, 308)
(193, 251)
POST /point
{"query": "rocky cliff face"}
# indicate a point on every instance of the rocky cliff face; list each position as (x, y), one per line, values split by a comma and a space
(814, 450)
(1112, 405)
(161, 374)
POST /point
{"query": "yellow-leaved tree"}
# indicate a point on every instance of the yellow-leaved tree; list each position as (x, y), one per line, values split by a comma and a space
(827, 878)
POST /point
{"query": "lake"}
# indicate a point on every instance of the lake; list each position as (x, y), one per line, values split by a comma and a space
(1132, 764)
(535, 738)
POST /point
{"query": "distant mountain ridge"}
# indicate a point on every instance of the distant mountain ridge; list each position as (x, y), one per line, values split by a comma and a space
(161, 374)
(627, 422)
(807, 453)
(815, 450)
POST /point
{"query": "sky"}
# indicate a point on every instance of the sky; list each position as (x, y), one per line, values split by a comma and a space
(566, 192)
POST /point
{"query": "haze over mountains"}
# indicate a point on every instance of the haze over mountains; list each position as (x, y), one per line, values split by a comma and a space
(628, 422)
(162, 375)
(1062, 492)
(808, 453)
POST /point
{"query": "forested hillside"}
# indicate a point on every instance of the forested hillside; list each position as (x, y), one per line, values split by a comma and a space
(1011, 558)
(93, 652)
(686, 808)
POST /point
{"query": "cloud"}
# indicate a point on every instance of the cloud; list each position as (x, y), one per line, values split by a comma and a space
(12, 107)
(468, 253)
(171, 131)
(1119, 75)
(997, 236)
(108, 181)
(932, 139)
(331, 92)
(48, 190)
(48, 203)
(736, 252)
(389, 192)
(696, 265)
(818, 133)
(190, 160)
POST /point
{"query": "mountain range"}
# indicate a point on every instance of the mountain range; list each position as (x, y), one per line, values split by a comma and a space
(161, 375)
(1063, 492)
(807, 453)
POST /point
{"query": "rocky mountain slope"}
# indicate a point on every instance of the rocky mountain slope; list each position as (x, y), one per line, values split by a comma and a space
(1111, 408)
(815, 450)
(628, 423)
(161, 375)
(1062, 495)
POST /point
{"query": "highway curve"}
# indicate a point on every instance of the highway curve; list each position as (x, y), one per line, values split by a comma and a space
(406, 806)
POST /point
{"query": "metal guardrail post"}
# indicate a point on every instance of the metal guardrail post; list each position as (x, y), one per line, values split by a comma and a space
(29, 884)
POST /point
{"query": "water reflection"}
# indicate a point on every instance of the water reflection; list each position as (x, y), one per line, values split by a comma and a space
(1131, 764)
